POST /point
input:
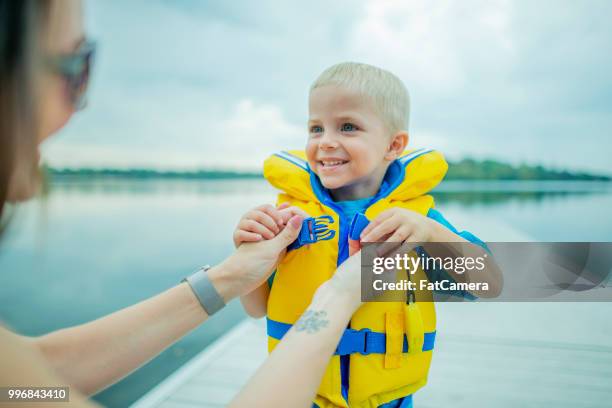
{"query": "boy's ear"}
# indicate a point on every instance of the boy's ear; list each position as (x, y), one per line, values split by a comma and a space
(398, 144)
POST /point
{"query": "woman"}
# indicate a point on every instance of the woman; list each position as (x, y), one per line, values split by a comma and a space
(44, 70)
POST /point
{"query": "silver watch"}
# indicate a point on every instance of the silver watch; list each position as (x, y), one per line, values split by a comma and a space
(203, 289)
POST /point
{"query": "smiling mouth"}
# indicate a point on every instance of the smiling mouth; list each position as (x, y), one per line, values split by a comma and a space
(331, 164)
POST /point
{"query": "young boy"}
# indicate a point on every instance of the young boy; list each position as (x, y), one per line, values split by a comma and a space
(354, 163)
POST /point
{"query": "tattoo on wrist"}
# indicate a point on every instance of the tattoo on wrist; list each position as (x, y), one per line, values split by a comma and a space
(312, 321)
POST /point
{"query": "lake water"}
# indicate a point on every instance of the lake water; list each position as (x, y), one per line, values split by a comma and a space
(88, 249)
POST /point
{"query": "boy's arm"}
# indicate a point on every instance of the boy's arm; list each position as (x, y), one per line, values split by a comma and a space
(255, 303)
(491, 274)
(398, 225)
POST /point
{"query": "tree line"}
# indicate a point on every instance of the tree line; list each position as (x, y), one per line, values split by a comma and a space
(465, 169)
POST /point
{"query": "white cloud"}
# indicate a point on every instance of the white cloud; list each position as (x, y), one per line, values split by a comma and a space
(198, 139)
(175, 81)
(434, 45)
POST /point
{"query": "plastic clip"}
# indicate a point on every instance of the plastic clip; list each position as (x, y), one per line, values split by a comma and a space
(316, 229)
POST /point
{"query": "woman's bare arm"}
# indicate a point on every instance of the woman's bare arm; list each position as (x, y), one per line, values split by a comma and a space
(24, 366)
(99, 353)
(292, 374)
(94, 355)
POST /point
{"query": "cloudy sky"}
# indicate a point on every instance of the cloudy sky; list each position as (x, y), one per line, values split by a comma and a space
(213, 84)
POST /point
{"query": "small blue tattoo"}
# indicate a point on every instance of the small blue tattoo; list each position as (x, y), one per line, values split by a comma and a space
(312, 321)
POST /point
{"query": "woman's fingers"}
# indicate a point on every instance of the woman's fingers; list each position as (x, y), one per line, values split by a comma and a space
(289, 233)
(265, 222)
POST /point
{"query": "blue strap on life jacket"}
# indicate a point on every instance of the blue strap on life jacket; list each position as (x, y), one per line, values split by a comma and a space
(364, 341)
(314, 229)
(358, 224)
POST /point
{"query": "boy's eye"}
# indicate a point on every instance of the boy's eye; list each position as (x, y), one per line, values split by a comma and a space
(316, 129)
(348, 127)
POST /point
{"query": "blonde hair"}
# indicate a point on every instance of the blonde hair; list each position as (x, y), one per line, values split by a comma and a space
(387, 92)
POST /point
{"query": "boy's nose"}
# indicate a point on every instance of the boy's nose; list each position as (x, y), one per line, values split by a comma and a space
(328, 141)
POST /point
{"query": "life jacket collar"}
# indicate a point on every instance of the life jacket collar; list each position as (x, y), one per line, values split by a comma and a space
(415, 173)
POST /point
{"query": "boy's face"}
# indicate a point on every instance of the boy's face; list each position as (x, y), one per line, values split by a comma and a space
(348, 142)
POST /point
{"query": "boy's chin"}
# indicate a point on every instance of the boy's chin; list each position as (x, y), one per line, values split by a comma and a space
(331, 183)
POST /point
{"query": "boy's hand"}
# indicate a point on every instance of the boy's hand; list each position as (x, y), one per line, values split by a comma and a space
(398, 225)
(264, 222)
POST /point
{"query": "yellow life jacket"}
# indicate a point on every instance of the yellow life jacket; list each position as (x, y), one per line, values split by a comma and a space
(386, 351)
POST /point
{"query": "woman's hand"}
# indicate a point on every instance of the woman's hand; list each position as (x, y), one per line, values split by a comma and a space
(253, 262)
(346, 282)
(261, 222)
(264, 222)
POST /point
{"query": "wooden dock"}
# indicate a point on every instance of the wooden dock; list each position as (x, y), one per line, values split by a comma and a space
(215, 375)
(466, 372)
(486, 355)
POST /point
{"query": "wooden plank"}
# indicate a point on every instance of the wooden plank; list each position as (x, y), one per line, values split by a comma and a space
(197, 365)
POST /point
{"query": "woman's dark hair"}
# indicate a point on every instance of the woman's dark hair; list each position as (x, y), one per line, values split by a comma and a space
(21, 22)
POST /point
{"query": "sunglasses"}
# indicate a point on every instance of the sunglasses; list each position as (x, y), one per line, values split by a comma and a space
(75, 68)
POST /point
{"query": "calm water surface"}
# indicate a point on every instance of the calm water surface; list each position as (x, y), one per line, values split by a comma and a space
(89, 249)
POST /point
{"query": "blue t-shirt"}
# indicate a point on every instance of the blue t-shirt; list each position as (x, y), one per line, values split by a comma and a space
(352, 207)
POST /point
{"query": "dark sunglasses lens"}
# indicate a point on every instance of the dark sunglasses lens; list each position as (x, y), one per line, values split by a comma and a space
(75, 68)
(79, 83)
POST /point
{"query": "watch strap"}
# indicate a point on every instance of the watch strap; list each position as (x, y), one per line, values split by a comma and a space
(204, 290)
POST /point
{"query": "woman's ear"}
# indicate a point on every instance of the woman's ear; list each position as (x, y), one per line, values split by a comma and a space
(398, 144)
